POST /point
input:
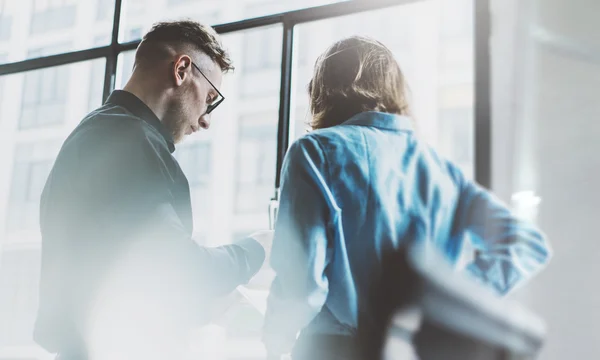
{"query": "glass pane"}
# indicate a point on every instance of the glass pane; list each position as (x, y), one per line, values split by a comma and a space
(39, 23)
(32, 165)
(19, 275)
(432, 41)
(143, 13)
(28, 154)
(124, 68)
(2, 57)
(257, 144)
(44, 95)
(96, 77)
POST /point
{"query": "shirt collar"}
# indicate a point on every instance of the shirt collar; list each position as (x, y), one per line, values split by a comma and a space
(382, 120)
(138, 108)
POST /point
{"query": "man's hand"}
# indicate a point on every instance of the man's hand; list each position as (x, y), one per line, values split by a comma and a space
(263, 279)
(265, 238)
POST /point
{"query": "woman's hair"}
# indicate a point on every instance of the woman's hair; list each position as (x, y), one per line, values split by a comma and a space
(354, 75)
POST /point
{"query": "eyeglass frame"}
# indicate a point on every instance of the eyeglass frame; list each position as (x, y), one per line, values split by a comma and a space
(210, 107)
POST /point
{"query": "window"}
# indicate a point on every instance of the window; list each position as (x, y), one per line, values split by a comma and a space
(261, 61)
(257, 151)
(51, 15)
(127, 59)
(105, 10)
(97, 71)
(458, 124)
(2, 59)
(178, 2)
(32, 165)
(19, 278)
(301, 50)
(254, 8)
(146, 12)
(5, 23)
(431, 65)
(457, 19)
(133, 34)
(262, 49)
(38, 23)
(44, 95)
(194, 160)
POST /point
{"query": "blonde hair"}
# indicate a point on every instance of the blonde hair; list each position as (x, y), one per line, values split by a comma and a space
(354, 75)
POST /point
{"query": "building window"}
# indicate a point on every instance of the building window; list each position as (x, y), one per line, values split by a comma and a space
(262, 62)
(3, 58)
(178, 2)
(32, 165)
(98, 68)
(104, 10)
(19, 281)
(51, 15)
(459, 123)
(262, 49)
(134, 34)
(256, 158)
(5, 22)
(457, 20)
(127, 59)
(302, 51)
(44, 94)
(194, 160)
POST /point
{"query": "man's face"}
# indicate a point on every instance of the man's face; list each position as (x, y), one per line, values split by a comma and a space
(186, 113)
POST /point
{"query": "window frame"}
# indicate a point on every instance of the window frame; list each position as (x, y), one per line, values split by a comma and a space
(481, 42)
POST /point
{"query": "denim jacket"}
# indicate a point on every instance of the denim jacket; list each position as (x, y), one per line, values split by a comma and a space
(353, 191)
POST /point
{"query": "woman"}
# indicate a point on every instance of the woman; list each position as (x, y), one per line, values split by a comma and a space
(362, 184)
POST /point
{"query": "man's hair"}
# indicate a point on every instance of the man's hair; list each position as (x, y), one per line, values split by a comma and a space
(182, 35)
(354, 75)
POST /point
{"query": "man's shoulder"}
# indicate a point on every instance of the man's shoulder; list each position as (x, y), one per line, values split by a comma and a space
(114, 125)
(115, 117)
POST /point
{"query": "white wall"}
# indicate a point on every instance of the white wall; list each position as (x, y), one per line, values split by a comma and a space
(546, 139)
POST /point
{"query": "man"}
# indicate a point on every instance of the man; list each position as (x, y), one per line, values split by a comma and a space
(121, 275)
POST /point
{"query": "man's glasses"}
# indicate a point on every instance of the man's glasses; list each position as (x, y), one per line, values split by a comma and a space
(215, 102)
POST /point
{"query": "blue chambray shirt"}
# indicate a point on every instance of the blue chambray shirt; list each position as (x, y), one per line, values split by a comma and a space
(353, 191)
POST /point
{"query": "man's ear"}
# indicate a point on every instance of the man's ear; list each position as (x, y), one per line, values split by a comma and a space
(182, 69)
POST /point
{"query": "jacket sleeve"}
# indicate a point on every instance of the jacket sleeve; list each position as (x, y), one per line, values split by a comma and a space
(141, 201)
(509, 250)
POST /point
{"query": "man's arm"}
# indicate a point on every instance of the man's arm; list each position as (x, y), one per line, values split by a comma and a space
(509, 250)
(145, 178)
(217, 270)
(300, 252)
